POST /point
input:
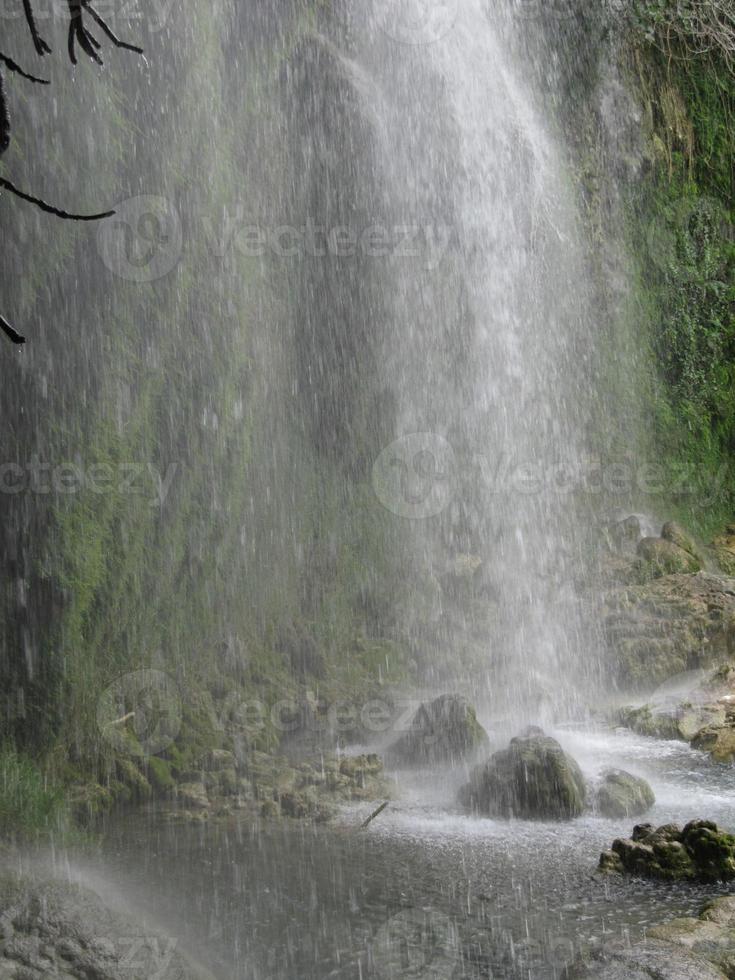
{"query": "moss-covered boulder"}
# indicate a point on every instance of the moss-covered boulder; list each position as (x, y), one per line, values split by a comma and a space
(666, 558)
(699, 852)
(533, 779)
(620, 794)
(445, 730)
(675, 533)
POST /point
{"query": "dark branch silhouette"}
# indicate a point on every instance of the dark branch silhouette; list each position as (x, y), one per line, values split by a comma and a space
(81, 37)
(51, 208)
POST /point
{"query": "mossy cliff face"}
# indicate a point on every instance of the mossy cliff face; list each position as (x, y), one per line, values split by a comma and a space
(649, 113)
(169, 509)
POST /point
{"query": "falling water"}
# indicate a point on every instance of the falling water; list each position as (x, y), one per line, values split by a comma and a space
(487, 351)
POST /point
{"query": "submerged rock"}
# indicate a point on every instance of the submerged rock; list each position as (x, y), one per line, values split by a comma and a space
(699, 852)
(441, 731)
(533, 779)
(623, 795)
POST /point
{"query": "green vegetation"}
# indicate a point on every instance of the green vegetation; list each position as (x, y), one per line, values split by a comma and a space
(683, 232)
(30, 805)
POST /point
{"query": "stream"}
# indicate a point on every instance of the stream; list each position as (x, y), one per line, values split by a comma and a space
(424, 892)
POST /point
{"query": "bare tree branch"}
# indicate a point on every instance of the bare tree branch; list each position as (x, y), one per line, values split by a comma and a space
(50, 208)
(40, 45)
(79, 35)
(14, 67)
(108, 30)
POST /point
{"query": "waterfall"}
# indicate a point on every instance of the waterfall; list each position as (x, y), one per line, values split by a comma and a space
(486, 352)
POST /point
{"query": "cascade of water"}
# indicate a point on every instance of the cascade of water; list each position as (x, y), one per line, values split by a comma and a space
(488, 352)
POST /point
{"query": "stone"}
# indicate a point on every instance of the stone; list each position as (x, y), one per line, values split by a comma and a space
(644, 961)
(445, 730)
(668, 626)
(624, 535)
(667, 558)
(676, 534)
(193, 795)
(621, 794)
(723, 549)
(533, 779)
(719, 741)
(51, 928)
(699, 852)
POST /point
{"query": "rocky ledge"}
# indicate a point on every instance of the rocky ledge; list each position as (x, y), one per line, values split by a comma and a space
(705, 717)
(56, 929)
(669, 603)
(699, 852)
(682, 949)
(271, 786)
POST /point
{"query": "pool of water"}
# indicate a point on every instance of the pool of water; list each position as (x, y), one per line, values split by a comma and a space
(424, 892)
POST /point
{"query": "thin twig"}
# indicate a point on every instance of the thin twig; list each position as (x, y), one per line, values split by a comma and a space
(14, 67)
(374, 815)
(108, 30)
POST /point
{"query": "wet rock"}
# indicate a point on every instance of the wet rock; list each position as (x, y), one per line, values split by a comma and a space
(673, 624)
(723, 550)
(623, 536)
(699, 852)
(193, 795)
(532, 779)
(442, 731)
(50, 928)
(719, 741)
(676, 534)
(623, 795)
(682, 722)
(645, 720)
(666, 558)
(645, 961)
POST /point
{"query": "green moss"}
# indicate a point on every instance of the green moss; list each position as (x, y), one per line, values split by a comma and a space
(159, 774)
(31, 804)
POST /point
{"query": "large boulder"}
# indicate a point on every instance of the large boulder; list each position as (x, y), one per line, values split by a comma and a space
(699, 852)
(445, 730)
(533, 779)
(621, 794)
